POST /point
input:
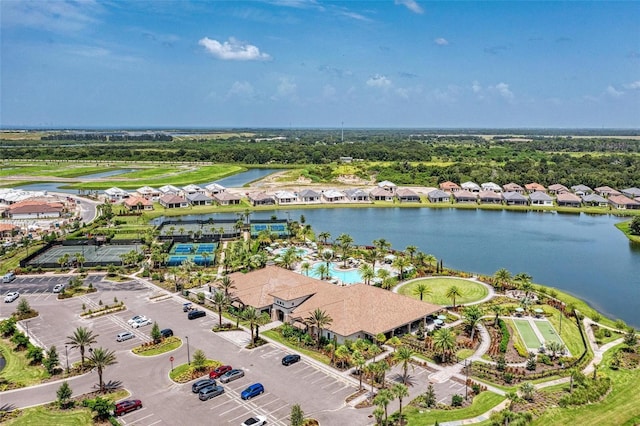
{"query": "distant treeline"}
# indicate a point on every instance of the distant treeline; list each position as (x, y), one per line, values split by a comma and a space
(106, 137)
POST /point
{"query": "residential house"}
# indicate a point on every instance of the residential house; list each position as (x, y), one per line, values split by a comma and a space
(137, 204)
(214, 188)
(581, 190)
(513, 198)
(490, 197)
(389, 186)
(406, 195)
(534, 187)
(490, 186)
(513, 187)
(169, 189)
(28, 209)
(261, 199)
(192, 189)
(226, 198)
(309, 196)
(149, 193)
(568, 199)
(595, 200)
(439, 196)
(381, 194)
(539, 198)
(606, 191)
(356, 194)
(199, 199)
(116, 194)
(622, 202)
(449, 186)
(333, 196)
(465, 196)
(631, 192)
(471, 186)
(285, 197)
(557, 188)
(8, 230)
(172, 201)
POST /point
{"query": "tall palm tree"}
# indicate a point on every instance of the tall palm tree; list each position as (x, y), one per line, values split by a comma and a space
(498, 310)
(502, 277)
(411, 251)
(342, 353)
(344, 242)
(472, 315)
(385, 276)
(81, 338)
(452, 293)
(400, 391)
(359, 361)
(324, 236)
(319, 319)
(100, 359)
(401, 263)
(366, 272)
(382, 367)
(226, 284)
(322, 270)
(305, 267)
(382, 245)
(403, 355)
(250, 314)
(382, 399)
(444, 342)
(220, 301)
(430, 259)
(421, 289)
(524, 282)
(372, 255)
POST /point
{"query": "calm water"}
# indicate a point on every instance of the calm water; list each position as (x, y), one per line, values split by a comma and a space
(243, 178)
(578, 253)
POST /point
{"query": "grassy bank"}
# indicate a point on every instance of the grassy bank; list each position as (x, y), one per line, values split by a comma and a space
(624, 227)
(481, 404)
(18, 370)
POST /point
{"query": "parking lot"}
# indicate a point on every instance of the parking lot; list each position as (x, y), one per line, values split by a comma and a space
(320, 393)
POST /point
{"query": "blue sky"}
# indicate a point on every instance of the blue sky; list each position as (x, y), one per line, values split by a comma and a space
(297, 63)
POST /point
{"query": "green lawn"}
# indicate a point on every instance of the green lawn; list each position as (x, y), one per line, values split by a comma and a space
(273, 334)
(548, 332)
(531, 341)
(481, 404)
(168, 345)
(17, 368)
(471, 291)
(41, 416)
(569, 332)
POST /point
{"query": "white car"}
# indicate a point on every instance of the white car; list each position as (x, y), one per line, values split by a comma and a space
(124, 336)
(141, 322)
(58, 288)
(10, 297)
(255, 421)
(136, 318)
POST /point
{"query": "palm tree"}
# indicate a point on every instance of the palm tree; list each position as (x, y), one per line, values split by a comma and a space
(382, 245)
(342, 353)
(322, 270)
(400, 391)
(444, 342)
(220, 301)
(403, 355)
(324, 236)
(421, 289)
(100, 359)
(401, 263)
(411, 251)
(80, 339)
(501, 277)
(251, 316)
(344, 242)
(305, 267)
(359, 361)
(372, 255)
(382, 399)
(452, 293)
(226, 284)
(319, 319)
(430, 259)
(384, 275)
(498, 310)
(472, 315)
(366, 272)
(524, 282)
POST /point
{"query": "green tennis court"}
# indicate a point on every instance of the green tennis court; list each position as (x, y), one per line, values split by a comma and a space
(548, 332)
(529, 337)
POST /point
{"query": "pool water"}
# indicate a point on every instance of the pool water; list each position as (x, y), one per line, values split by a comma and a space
(348, 276)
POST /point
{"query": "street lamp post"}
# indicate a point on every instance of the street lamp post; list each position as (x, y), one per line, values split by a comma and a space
(466, 381)
(66, 355)
(188, 355)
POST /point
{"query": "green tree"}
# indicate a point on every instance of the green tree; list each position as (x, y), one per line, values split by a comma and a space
(324, 236)
(498, 310)
(297, 415)
(52, 360)
(401, 263)
(23, 308)
(305, 267)
(100, 359)
(527, 391)
(220, 302)
(421, 289)
(359, 361)
(35, 353)
(199, 360)
(342, 354)
(226, 284)
(452, 293)
(155, 332)
(403, 356)
(344, 242)
(444, 342)
(430, 396)
(472, 316)
(411, 251)
(502, 277)
(366, 272)
(382, 399)
(8, 327)
(64, 394)
(250, 314)
(102, 406)
(81, 338)
(400, 391)
(634, 226)
(319, 319)
(630, 338)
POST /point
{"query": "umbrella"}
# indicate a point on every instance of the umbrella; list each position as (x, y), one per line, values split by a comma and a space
(442, 317)
(519, 309)
(438, 321)
(538, 310)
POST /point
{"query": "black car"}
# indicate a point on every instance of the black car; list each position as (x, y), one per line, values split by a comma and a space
(167, 332)
(196, 314)
(201, 384)
(290, 359)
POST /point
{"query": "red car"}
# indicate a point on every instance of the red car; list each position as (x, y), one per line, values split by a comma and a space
(220, 371)
(127, 406)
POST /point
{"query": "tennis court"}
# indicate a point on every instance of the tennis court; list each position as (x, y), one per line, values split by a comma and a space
(548, 332)
(279, 229)
(93, 255)
(200, 254)
(528, 335)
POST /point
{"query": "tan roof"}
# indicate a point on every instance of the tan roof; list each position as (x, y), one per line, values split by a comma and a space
(133, 201)
(4, 227)
(534, 186)
(172, 199)
(621, 199)
(448, 186)
(35, 207)
(568, 197)
(226, 196)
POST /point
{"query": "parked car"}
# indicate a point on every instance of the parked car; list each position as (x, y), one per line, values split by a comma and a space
(201, 384)
(253, 390)
(196, 314)
(9, 276)
(166, 332)
(255, 421)
(232, 375)
(58, 288)
(187, 306)
(290, 359)
(210, 392)
(126, 335)
(141, 323)
(220, 371)
(127, 406)
(11, 296)
(134, 319)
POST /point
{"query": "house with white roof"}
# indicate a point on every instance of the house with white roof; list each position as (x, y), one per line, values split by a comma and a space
(215, 188)
(149, 193)
(490, 186)
(581, 190)
(333, 195)
(356, 194)
(470, 186)
(192, 189)
(169, 189)
(309, 196)
(389, 186)
(285, 197)
(116, 194)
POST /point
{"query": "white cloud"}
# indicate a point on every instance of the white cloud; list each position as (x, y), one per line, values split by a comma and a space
(633, 86)
(379, 81)
(613, 92)
(58, 16)
(241, 89)
(441, 41)
(475, 86)
(286, 87)
(233, 50)
(412, 5)
(504, 91)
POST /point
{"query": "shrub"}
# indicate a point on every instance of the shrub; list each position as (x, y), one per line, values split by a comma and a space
(508, 377)
(501, 364)
(504, 331)
(522, 351)
(457, 400)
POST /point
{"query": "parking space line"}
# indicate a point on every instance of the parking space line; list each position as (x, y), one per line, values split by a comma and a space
(339, 390)
(154, 423)
(141, 419)
(231, 409)
(278, 409)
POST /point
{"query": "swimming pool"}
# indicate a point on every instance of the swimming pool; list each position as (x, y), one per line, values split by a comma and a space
(300, 251)
(348, 276)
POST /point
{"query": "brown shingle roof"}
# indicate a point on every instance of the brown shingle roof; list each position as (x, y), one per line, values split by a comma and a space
(26, 207)
(449, 186)
(133, 201)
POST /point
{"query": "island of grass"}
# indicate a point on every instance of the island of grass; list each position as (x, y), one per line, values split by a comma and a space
(437, 288)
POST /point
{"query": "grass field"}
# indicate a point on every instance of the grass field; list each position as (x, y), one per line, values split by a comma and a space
(481, 404)
(41, 416)
(529, 337)
(471, 291)
(548, 332)
(273, 334)
(17, 369)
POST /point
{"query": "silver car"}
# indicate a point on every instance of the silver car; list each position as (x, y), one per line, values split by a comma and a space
(125, 335)
(10, 297)
(232, 375)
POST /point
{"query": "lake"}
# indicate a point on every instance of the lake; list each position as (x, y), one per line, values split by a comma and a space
(584, 255)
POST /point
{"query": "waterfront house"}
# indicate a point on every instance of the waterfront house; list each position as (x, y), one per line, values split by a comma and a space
(470, 186)
(595, 200)
(581, 190)
(172, 201)
(285, 197)
(606, 191)
(214, 188)
(491, 186)
(534, 187)
(192, 189)
(622, 202)
(309, 196)
(406, 195)
(226, 199)
(149, 193)
(169, 189)
(356, 194)
(539, 198)
(261, 199)
(439, 196)
(449, 186)
(490, 197)
(568, 199)
(557, 188)
(199, 199)
(513, 187)
(631, 192)
(333, 196)
(389, 186)
(513, 198)
(137, 204)
(116, 194)
(465, 196)
(381, 194)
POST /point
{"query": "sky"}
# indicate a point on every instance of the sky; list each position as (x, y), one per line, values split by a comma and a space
(311, 63)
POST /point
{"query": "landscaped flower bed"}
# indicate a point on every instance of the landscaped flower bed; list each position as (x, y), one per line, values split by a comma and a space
(151, 348)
